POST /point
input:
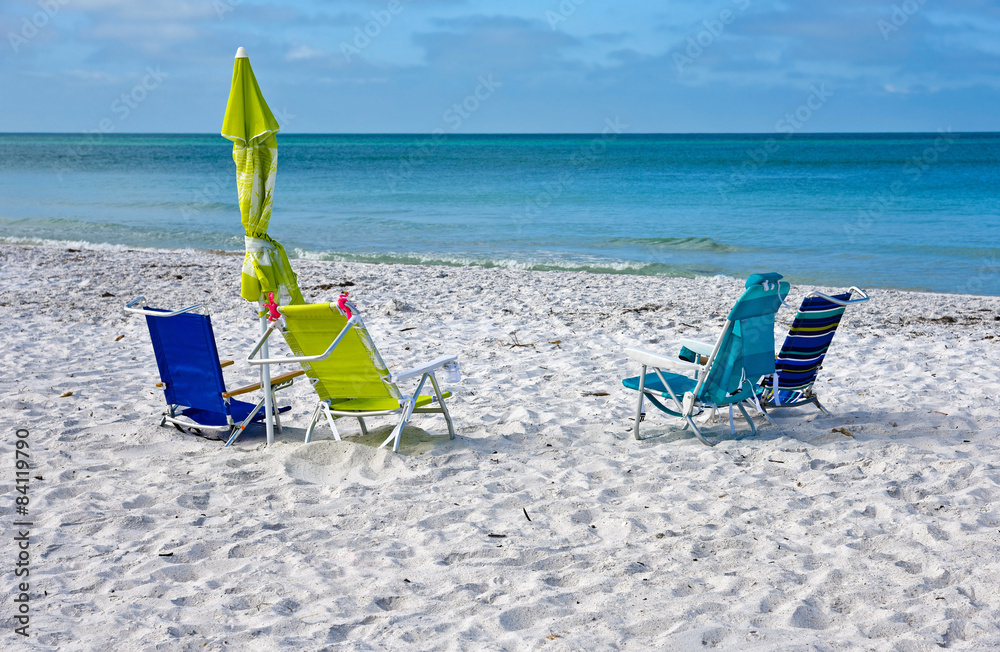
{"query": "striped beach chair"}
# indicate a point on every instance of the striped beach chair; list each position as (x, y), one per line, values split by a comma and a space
(801, 356)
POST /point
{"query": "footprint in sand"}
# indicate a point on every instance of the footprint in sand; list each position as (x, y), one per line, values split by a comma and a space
(518, 618)
(809, 616)
(194, 501)
(713, 637)
(139, 501)
(333, 462)
(391, 603)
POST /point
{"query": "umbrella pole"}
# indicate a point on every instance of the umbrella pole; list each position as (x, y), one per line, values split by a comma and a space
(265, 384)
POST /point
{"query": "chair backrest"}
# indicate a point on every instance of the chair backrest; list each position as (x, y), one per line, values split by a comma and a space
(807, 342)
(188, 360)
(354, 369)
(746, 347)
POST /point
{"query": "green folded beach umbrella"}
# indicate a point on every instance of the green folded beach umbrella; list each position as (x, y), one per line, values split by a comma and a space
(252, 128)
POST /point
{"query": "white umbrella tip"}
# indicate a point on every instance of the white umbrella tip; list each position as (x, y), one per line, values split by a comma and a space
(242, 54)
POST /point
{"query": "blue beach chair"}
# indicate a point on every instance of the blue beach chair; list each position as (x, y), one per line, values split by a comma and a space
(191, 373)
(720, 374)
(805, 347)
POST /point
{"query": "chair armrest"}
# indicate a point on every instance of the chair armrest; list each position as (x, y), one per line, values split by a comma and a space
(650, 359)
(701, 348)
(225, 363)
(839, 302)
(253, 388)
(353, 321)
(424, 368)
(141, 301)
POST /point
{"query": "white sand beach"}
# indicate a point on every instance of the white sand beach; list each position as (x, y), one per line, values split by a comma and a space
(877, 528)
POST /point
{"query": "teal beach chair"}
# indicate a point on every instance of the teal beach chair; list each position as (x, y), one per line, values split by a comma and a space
(801, 356)
(727, 374)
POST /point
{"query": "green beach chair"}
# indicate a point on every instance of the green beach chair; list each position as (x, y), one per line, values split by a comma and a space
(720, 374)
(340, 359)
(802, 353)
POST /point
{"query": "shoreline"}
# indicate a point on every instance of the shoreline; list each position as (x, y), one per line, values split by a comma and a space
(336, 258)
(544, 520)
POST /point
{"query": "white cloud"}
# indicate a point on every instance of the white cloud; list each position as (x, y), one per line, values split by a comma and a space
(300, 51)
(147, 9)
(146, 33)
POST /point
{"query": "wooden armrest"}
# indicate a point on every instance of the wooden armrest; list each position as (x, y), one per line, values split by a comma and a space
(253, 388)
(225, 363)
(283, 377)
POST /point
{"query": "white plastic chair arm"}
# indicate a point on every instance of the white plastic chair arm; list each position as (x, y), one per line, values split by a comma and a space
(701, 348)
(649, 359)
(155, 313)
(841, 302)
(424, 368)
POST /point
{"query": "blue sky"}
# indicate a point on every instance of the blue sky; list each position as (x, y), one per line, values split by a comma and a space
(474, 66)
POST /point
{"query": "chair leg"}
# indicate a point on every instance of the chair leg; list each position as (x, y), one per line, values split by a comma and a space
(815, 400)
(168, 415)
(238, 430)
(330, 419)
(753, 427)
(312, 421)
(763, 410)
(397, 432)
(364, 428)
(639, 414)
(235, 434)
(444, 408)
(697, 432)
(277, 412)
(407, 413)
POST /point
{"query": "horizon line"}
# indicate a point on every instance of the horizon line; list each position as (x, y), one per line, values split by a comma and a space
(783, 135)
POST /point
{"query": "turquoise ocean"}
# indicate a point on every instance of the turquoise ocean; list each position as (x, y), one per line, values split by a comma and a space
(909, 211)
